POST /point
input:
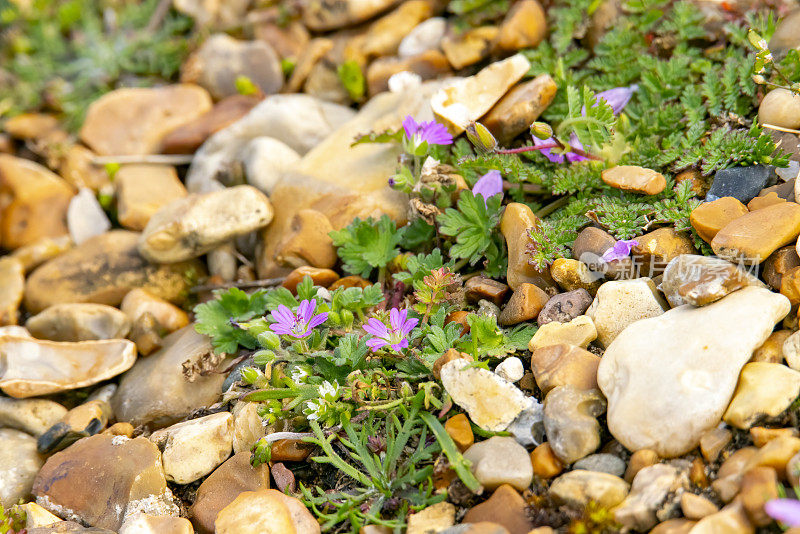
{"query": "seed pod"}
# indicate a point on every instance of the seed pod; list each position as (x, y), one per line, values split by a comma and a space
(480, 136)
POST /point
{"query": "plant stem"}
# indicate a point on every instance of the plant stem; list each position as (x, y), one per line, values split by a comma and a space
(457, 462)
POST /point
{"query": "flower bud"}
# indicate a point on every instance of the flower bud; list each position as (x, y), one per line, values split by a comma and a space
(263, 357)
(334, 318)
(249, 375)
(347, 318)
(480, 136)
(541, 130)
(759, 79)
(406, 390)
(269, 340)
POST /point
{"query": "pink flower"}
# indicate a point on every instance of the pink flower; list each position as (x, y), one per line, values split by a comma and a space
(395, 335)
(488, 185)
(617, 98)
(787, 511)
(620, 250)
(430, 132)
(299, 325)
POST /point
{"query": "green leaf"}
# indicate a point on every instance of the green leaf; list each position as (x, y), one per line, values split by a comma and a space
(472, 224)
(352, 79)
(217, 318)
(366, 245)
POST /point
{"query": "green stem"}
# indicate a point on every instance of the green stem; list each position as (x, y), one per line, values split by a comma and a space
(457, 461)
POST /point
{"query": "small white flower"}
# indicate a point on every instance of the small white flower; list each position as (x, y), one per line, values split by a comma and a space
(329, 391)
(298, 373)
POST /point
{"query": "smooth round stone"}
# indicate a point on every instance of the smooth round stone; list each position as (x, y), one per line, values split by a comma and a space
(524, 305)
(19, 464)
(520, 107)
(79, 322)
(701, 280)
(785, 36)
(468, 47)
(152, 524)
(764, 389)
(135, 185)
(635, 179)
(710, 217)
(265, 511)
(248, 427)
(33, 416)
(510, 369)
(565, 307)
(505, 507)
(751, 238)
(500, 460)
(649, 490)
(577, 488)
(265, 160)
(514, 225)
(385, 34)
(524, 26)
(696, 506)
(570, 421)
(563, 364)
(434, 518)
(603, 463)
(780, 107)
(654, 250)
(425, 36)
(579, 332)
(459, 429)
(573, 274)
(619, 304)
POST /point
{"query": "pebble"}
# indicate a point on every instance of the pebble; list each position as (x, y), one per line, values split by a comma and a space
(192, 449)
(79, 322)
(42, 250)
(742, 183)
(459, 429)
(135, 185)
(491, 402)
(505, 507)
(102, 270)
(573, 274)
(764, 389)
(667, 400)
(191, 226)
(481, 287)
(759, 485)
(579, 332)
(291, 450)
(221, 60)
(563, 364)
(135, 120)
(521, 106)
(84, 420)
(468, 99)
(12, 287)
(188, 138)
(578, 488)
(602, 463)
(139, 302)
(791, 351)
(468, 47)
(153, 524)
(482, 527)
(565, 307)
(320, 277)
(528, 427)
(33, 416)
(19, 464)
(524, 305)
(36, 367)
(674, 526)
(393, 73)
(701, 280)
(649, 490)
(265, 510)
(266, 160)
(248, 427)
(731, 520)
(776, 453)
(221, 487)
(103, 480)
(510, 369)
(765, 200)
(754, 236)
(307, 242)
(621, 303)
(785, 36)
(434, 518)
(524, 26)
(156, 392)
(213, 14)
(709, 218)
(79, 171)
(545, 463)
(385, 34)
(36, 516)
(635, 179)
(325, 16)
(517, 219)
(696, 506)
(423, 37)
(638, 461)
(762, 435)
(35, 202)
(85, 217)
(500, 460)
(570, 421)
(780, 107)
(654, 250)
(778, 264)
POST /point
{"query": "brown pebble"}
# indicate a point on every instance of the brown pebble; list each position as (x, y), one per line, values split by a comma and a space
(696, 506)
(674, 526)
(449, 356)
(697, 473)
(564, 307)
(767, 200)
(639, 460)
(563, 364)
(778, 264)
(505, 507)
(517, 220)
(120, 429)
(776, 454)
(524, 305)
(460, 317)
(710, 217)
(320, 277)
(761, 435)
(522, 105)
(349, 281)
(698, 185)
(461, 431)
(654, 250)
(790, 286)
(771, 351)
(759, 485)
(545, 463)
(753, 237)
(290, 450)
(481, 287)
(713, 441)
(635, 179)
(283, 476)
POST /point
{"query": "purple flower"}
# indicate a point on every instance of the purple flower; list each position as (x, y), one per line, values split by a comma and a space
(394, 335)
(430, 132)
(299, 325)
(617, 98)
(488, 185)
(574, 142)
(546, 152)
(787, 511)
(620, 250)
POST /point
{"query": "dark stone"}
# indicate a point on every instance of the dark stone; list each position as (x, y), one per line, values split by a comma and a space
(564, 307)
(742, 183)
(236, 374)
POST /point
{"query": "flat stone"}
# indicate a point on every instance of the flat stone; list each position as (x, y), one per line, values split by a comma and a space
(654, 250)
(470, 46)
(524, 26)
(649, 490)
(780, 107)
(776, 454)
(579, 332)
(136, 183)
(42, 250)
(102, 270)
(153, 524)
(19, 464)
(505, 507)
(79, 322)
(77, 169)
(785, 37)
(427, 65)
(156, 392)
(491, 402)
(578, 488)
(751, 238)
(763, 435)
(33, 367)
(565, 307)
(459, 429)
(36, 516)
(500, 460)
(192, 449)
(563, 364)
(668, 379)
(764, 390)
(384, 35)
(12, 287)
(423, 37)
(619, 304)
(742, 183)
(522, 105)
(84, 420)
(759, 486)
(139, 302)
(524, 305)
(265, 511)
(635, 179)
(434, 518)
(248, 426)
(602, 463)
(731, 519)
(710, 217)
(35, 202)
(515, 223)
(188, 227)
(33, 416)
(481, 287)
(674, 526)
(221, 59)
(570, 421)
(135, 120)
(265, 160)
(701, 280)
(573, 274)
(331, 15)
(545, 463)
(470, 98)
(764, 200)
(103, 480)
(696, 506)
